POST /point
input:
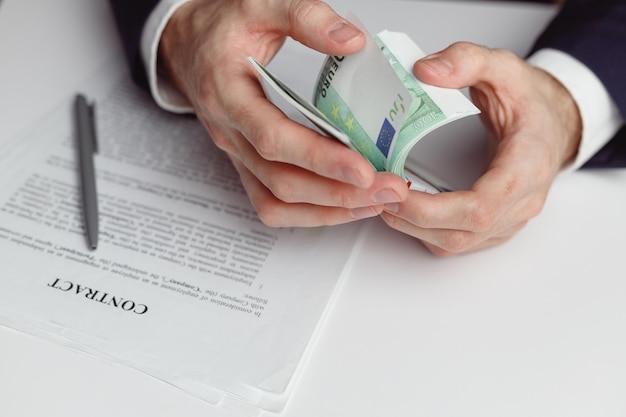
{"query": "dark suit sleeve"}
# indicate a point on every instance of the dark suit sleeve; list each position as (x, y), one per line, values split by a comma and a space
(130, 16)
(594, 32)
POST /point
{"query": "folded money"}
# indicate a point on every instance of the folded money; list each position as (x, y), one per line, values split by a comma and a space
(372, 102)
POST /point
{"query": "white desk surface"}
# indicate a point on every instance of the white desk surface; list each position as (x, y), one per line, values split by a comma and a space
(536, 327)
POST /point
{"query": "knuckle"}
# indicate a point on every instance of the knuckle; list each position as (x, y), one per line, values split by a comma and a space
(269, 218)
(518, 227)
(302, 10)
(264, 136)
(469, 50)
(390, 220)
(464, 46)
(317, 159)
(506, 54)
(266, 143)
(440, 252)
(342, 198)
(457, 241)
(222, 141)
(269, 213)
(332, 217)
(482, 216)
(282, 189)
(536, 206)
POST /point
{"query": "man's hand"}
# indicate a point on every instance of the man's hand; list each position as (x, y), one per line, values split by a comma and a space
(293, 175)
(536, 127)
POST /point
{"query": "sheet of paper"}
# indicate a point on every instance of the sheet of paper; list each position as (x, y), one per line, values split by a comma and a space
(187, 284)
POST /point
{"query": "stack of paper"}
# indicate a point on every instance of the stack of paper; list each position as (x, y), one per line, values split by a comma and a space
(186, 284)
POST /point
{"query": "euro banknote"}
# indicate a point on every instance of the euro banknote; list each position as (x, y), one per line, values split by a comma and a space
(372, 102)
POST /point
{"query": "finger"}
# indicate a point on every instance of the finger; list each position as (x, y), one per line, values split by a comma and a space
(276, 213)
(464, 64)
(292, 184)
(446, 242)
(275, 137)
(514, 180)
(316, 25)
(295, 185)
(443, 253)
(469, 211)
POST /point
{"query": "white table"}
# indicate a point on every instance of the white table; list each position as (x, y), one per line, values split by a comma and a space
(535, 327)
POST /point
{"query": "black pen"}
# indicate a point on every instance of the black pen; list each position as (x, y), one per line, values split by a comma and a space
(87, 146)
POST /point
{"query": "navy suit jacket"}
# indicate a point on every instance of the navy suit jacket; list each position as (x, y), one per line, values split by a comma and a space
(592, 31)
(130, 16)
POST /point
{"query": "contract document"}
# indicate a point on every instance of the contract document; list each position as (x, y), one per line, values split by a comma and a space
(187, 285)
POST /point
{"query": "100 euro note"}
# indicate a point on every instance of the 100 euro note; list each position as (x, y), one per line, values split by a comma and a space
(373, 103)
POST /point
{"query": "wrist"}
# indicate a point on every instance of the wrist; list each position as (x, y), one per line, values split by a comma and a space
(172, 46)
(600, 116)
(567, 116)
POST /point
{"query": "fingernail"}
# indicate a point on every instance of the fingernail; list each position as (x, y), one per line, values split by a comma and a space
(386, 195)
(363, 213)
(350, 175)
(392, 207)
(343, 32)
(437, 64)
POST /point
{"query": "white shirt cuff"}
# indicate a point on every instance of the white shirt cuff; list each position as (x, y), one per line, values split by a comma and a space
(165, 94)
(600, 116)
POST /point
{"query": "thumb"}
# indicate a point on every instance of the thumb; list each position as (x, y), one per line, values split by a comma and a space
(460, 65)
(316, 25)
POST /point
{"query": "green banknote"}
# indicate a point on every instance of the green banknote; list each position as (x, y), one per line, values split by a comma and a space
(427, 108)
(371, 102)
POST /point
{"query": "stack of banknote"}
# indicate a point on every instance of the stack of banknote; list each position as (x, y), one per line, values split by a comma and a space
(372, 102)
